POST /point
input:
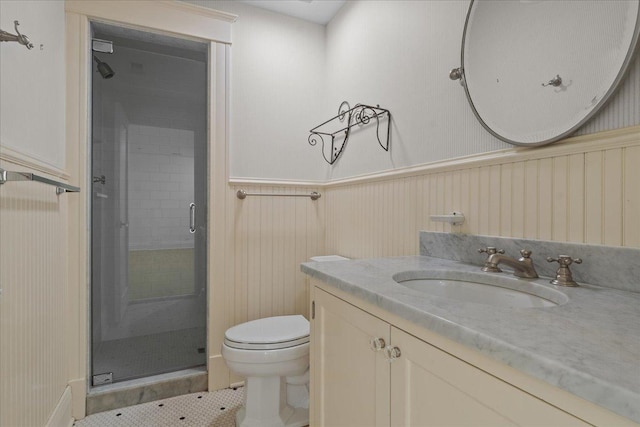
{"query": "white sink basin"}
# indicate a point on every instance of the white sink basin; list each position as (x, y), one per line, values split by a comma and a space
(482, 288)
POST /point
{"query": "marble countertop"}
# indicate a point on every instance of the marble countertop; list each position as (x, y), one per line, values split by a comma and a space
(589, 346)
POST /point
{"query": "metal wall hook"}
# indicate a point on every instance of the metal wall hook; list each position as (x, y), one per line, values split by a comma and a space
(555, 82)
(457, 74)
(20, 38)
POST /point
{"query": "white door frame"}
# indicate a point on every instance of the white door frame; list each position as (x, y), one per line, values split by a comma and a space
(175, 19)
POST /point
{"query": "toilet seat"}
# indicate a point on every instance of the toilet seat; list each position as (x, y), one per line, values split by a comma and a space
(266, 346)
(272, 354)
(272, 333)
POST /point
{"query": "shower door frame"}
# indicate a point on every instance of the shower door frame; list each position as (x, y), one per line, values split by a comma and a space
(177, 20)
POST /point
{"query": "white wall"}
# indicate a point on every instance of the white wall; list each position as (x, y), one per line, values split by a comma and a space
(34, 302)
(393, 53)
(398, 54)
(32, 82)
(277, 90)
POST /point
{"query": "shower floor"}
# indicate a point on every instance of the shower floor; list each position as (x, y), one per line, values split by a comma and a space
(215, 409)
(152, 354)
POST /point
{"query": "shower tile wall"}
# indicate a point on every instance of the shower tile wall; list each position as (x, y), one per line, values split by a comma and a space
(160, 187)
(161, 162)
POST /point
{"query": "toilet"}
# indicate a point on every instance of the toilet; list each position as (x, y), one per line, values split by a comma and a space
(273, 356)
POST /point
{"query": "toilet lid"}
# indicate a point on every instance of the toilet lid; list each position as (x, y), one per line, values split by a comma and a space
(269, 333)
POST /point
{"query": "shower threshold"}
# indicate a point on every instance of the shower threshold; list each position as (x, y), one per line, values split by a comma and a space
(132, 392)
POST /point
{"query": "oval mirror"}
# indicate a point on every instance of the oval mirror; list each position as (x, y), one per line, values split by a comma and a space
(536, 70)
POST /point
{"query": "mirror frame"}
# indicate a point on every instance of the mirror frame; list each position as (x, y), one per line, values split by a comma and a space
(631, 51)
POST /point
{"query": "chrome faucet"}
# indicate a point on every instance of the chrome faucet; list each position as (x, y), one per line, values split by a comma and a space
(563, 275)
(522, 267)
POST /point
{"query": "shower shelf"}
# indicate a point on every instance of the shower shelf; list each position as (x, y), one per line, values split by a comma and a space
(339, 128)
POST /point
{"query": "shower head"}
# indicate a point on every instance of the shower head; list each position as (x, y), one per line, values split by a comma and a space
(105, 71)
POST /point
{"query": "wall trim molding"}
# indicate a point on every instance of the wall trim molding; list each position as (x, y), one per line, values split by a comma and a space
(78, 397)
(61, 415)
(177, 18)
(24, 160)
(619, 138)
(274, 182)
(176, 21)
(200, 10)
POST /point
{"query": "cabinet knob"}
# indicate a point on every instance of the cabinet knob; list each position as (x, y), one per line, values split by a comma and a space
(377, 344)
(393, 353)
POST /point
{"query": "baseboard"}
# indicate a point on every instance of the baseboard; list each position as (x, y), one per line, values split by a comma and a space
(78, 398)
(237, 384)
(219, 376)
(61, 415)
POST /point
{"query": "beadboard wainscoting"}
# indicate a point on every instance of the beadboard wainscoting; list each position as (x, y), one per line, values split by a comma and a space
(33, 300)
(584, 189)
(272, 235)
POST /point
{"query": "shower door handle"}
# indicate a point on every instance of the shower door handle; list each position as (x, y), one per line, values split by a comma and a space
(192, 218)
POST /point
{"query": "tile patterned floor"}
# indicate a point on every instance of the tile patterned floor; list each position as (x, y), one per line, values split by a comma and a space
(216, 409)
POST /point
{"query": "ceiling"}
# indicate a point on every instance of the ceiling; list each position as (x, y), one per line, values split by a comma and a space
(318, 11)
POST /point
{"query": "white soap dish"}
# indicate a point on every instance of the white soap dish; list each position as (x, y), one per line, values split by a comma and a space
(455, 218)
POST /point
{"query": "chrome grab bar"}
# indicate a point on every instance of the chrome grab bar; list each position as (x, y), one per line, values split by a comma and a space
(192, 218)
(241, 194)
(61, 187)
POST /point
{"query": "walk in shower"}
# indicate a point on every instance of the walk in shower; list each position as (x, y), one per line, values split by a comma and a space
(148, 204)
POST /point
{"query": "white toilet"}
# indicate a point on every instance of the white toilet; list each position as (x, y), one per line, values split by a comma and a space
(273, 355)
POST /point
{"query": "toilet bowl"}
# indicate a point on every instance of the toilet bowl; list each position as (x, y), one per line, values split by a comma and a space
(273, 356)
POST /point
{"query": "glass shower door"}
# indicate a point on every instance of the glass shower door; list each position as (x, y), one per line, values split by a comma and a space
(148, 207)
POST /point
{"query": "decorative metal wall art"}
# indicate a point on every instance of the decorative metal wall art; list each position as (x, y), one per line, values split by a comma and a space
(339, 128)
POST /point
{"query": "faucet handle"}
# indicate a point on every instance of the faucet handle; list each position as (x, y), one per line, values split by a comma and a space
(563, 274)
(489, 266)
(526, 253)
(564, 260)
(490, 250)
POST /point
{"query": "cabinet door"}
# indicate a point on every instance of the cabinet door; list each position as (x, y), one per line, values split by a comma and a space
(349, 381)
(430, 387)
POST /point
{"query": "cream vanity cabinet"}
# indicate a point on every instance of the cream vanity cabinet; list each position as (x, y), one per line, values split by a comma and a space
(353, 382)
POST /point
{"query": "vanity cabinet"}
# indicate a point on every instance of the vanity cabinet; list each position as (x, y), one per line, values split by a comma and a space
(354, 382)
(350, 382)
